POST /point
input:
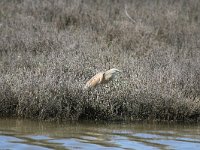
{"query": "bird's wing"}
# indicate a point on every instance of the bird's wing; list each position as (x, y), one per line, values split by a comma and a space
(101, 77)
(95, 80)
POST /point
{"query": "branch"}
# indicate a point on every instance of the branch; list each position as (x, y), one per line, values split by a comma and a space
(129, 15)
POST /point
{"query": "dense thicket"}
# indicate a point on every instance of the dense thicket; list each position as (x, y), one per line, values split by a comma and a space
(49, 49)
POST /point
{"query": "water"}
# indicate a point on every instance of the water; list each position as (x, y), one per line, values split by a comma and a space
(34, 135)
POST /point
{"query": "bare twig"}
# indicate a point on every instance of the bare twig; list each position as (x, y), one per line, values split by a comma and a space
(129, 15)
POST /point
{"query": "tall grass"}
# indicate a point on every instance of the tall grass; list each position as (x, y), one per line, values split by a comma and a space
(49, 49)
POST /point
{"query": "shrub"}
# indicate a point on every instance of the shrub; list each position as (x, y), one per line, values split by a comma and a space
(49, 49)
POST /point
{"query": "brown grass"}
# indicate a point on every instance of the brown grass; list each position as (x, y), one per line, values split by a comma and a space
(49, 49)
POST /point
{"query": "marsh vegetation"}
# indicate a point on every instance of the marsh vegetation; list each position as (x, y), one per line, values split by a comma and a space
(49, 49)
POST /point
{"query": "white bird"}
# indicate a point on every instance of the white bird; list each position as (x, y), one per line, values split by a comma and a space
(101, 78)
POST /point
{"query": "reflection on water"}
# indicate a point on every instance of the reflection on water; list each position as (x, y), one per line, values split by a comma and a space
(26, 134)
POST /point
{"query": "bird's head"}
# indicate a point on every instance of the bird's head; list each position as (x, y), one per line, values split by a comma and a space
(114, 70)
(110, 74)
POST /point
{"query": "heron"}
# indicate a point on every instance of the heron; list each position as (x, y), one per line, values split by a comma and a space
(102, 78)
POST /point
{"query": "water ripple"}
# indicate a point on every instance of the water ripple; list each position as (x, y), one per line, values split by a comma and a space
(20, 134)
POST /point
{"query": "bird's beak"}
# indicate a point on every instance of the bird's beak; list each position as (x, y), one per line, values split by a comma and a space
(119, 71)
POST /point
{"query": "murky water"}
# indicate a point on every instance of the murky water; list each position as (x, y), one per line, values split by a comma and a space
(26, 134)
